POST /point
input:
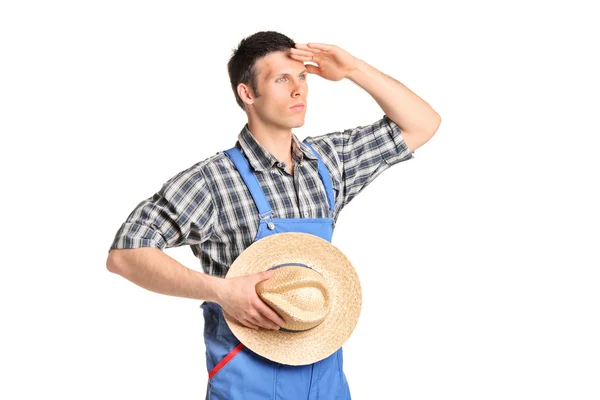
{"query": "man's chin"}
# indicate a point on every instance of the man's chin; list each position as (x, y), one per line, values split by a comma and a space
(298, 124)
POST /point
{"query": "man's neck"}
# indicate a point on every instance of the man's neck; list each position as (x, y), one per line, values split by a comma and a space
(276, 141)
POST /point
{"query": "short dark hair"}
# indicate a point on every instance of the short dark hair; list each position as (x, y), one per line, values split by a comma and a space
(241, 65)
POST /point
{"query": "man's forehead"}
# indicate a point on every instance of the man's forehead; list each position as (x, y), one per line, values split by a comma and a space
(280, 63)
(285, 71)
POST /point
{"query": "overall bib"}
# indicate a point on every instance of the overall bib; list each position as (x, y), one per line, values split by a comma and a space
(236, 372)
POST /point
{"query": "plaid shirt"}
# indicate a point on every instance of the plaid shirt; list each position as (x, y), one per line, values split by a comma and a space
(209, 207)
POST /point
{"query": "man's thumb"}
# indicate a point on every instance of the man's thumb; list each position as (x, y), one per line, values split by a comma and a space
(312, 69)
(263, 276)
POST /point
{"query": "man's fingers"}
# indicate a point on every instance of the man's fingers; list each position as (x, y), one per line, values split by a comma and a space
(301, 58)
(303, 46)
(245, 323)
(264, 316)
(259, 320)
(267, 312)
(250, 325)
(319, 46)
(299, 52)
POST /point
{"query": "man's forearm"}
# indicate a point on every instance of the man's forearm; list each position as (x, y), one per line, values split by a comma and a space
(399, 103)
(152, 269)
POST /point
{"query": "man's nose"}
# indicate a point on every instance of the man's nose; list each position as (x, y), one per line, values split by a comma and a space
(298, 90)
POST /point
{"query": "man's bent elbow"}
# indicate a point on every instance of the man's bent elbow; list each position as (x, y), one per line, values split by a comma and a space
(113, 263)
(120, 261)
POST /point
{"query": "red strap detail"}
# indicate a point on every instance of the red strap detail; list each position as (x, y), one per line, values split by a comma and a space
(225, 360)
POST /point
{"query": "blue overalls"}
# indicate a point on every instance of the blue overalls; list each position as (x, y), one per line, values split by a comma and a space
(237, 373)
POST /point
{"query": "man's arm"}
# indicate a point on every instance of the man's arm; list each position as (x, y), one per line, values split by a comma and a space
(183, 213)
(416, 119)
(152, 269)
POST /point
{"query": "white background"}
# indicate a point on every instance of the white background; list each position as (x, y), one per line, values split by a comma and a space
(478, 258)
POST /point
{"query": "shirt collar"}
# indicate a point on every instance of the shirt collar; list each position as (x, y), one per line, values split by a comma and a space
(260, 159)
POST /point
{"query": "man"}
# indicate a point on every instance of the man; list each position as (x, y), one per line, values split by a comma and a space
(269, 182)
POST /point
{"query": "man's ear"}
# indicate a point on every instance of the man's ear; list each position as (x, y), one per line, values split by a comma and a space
(245, 93)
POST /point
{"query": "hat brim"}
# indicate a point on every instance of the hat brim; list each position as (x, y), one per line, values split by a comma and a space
(301, 348)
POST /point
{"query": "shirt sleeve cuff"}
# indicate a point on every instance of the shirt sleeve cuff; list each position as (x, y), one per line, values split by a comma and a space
(132, 236)
(391, 143)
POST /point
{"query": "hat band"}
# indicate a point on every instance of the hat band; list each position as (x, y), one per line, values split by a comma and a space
(296, 265)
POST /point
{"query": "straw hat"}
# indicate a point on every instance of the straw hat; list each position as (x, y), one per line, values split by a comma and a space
(315, 289)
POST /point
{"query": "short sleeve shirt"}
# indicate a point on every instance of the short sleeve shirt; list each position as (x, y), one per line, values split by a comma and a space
(209, 207)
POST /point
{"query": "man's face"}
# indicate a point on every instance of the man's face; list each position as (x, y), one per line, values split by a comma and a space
(281, 83)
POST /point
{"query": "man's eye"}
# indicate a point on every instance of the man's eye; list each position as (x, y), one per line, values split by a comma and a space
(303, 76)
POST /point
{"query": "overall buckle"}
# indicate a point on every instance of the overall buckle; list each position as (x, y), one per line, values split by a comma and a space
(266, 217)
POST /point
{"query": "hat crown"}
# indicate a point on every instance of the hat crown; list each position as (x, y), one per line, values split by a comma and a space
(298, 294)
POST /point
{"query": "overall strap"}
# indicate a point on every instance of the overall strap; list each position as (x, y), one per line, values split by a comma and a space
(240, 162)
(325, 178)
